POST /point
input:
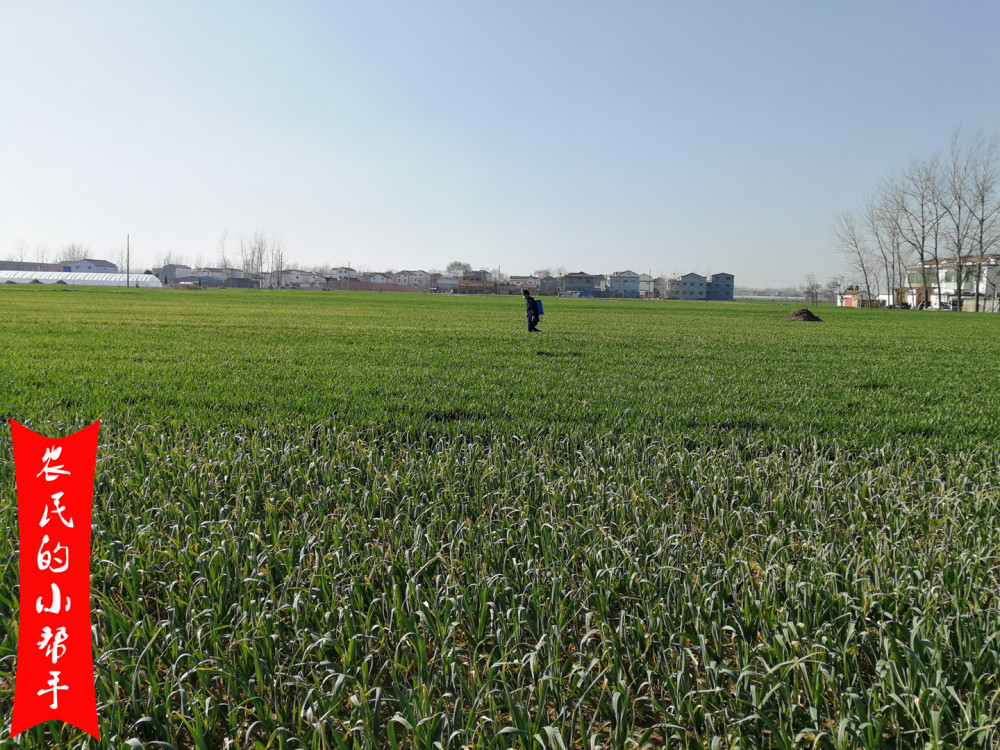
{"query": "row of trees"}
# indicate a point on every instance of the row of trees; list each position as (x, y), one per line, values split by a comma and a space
(43, 254)
(260, 255)
(814, 291)
(945, 208)
(72, 252)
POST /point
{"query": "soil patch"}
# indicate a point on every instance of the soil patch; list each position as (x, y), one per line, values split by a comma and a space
(805, 315)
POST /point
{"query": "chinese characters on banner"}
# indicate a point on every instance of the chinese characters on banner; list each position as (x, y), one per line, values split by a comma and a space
(55, 666)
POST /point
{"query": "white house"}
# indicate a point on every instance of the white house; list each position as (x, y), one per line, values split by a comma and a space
(720, 286)
(169, 273)
(582, 283)
(377, 278)
(624, 283)
(937, 284)
(413, 278)
(88, 265)
(343, 273)
(296, 279)
(690, 286)
(233, 273)
(219, 274)
(525, 282)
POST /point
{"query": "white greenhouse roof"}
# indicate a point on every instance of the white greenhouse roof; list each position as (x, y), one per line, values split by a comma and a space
(143, 280)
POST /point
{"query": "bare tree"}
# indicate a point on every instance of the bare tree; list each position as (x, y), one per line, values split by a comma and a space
(660, 284)
(811, 289)
(74, 251)
(276, 251)
(171, 259)
(457, 269)
(223, 260)
(41, 253)
(260, 249)
(833, 287)
(246, 259)
(853, 244)
(957, 221)
(983, 203)
(917, 213)
(254, 253)
(881, 221)
(560, 274)
(120, 258)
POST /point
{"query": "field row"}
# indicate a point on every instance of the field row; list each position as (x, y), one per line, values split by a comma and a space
(302, 585)
(464, 366)
(393, 521)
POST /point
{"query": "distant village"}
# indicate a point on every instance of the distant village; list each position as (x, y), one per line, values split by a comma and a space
(931, 285)
(622, 284)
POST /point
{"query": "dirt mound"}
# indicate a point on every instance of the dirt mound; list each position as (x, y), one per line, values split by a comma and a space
(805, 315)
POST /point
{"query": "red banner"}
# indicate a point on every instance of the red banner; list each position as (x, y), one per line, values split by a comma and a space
(55, 493)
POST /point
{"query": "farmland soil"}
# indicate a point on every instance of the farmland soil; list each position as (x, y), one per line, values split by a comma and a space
(804, 314)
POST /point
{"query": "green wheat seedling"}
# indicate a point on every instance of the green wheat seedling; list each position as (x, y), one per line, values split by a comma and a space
(379, 521)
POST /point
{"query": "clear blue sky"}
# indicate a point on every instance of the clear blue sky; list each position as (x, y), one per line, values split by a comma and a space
(596, 136)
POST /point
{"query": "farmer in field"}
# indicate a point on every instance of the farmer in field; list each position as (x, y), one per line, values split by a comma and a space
(531, 312)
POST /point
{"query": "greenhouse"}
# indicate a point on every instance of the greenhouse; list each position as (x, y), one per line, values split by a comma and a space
(144, 280)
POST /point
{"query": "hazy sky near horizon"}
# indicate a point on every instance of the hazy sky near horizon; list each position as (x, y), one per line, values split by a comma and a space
(595, 136)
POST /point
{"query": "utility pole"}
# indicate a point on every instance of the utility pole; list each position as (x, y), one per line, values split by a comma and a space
(128, 261)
